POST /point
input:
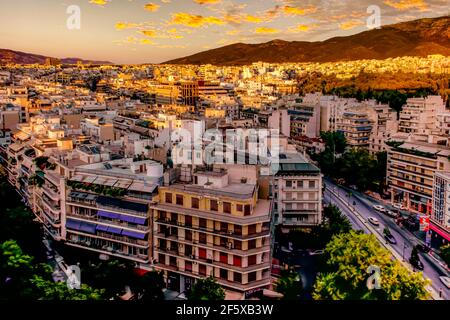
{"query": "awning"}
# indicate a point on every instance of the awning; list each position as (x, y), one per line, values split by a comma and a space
(106, 214)
(88, 227)
(73, 224)
(133, 234)
(102, 228)
(439, 232)
(115, 230)
(140, 221)
(126, 218)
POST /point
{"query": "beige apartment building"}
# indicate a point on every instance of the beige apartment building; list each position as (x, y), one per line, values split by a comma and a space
(419, 114)
(356, 128)
(410, 172)
(214, 227)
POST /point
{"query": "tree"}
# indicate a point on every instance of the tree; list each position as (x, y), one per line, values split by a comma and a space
(348, 257)
(207, 289)
(149, 287)
(59, 291)
(289, 284)
(387, 231)
(336, 221)
(445, 254)
(414, 258)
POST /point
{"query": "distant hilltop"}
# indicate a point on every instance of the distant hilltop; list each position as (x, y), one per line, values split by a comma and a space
(421, 37)
(17, 57)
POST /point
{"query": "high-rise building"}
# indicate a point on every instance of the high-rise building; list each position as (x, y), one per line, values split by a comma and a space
(440, 217)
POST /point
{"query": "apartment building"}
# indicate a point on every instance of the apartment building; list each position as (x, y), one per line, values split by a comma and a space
(297, 190)
(107, 208)
(410, 172)
(440, 217)
(356, 127)
(419, 114)
(214, 227)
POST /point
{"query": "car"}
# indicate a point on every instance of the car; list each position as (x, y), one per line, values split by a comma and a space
(391, 214)
(390, 238)
(379, 208)
(423, 248)
(317, 252)
(398, 206)
(417, 264)
(374, 221)
(445, 281)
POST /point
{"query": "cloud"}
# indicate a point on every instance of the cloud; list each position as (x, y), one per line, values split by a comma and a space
(99, 2)
(207, 1)
(194, 21)
(301, 28)
(347, 25)
(126, 25)
(149, 33)
(151, 7)
(421, 5)
(134, 40)
(266, 30)
(253, 19)
(296, 11)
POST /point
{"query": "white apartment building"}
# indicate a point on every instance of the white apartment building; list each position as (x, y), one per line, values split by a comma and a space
(419, 115)
(441, 202)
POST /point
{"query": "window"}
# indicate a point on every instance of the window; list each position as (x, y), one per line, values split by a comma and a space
(188, 266)
(312, 184)
(300, 184)
(214, 205)
(202, 238)
(202, 270)
(174, 218)
(237, 244)
(288, 184)
(161, 259)
(224, 274)
(252, 276)
(237, 277)
(179, 199)
(247, 210)
(202, 253)
(188, 221)
(237, 261)
(239, 207)
(252, 229)
(252, 260)
(238, 230)
(168, 197)
(223, 258)
(227, 207)
(223, 227)
(173, 261)
(252, 244)
(195, 203)
(188, 235)
(202, 223)
(188, 250)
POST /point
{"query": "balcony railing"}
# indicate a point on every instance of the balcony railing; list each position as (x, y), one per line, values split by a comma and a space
(113, 223)
(263, 233)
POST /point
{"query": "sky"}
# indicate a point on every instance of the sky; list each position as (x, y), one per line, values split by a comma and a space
(140, 31)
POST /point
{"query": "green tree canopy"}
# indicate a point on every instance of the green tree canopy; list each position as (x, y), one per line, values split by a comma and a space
(445, 254)
(348, 257)
(289, 284)
(207, 289)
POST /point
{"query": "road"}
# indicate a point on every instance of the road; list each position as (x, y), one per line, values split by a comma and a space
(405, 240)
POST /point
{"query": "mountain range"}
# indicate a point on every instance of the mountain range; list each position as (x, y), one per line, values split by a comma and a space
(11, 56)
(420, 37)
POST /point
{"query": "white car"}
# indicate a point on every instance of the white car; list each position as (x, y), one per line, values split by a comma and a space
(374, 221)
(399, 206)
(445, 281)
(391, 214)
(317, 252)
(379, 208)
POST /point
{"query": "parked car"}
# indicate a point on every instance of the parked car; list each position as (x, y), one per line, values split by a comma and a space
(422, 248)
(374, 221)
(391, 214)
(317, 252)
(417, 264)
(445, 281)
(399, 206)
(390, 238)
(379, 208)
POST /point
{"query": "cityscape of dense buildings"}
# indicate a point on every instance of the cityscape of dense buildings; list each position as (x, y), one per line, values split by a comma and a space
(100, 169)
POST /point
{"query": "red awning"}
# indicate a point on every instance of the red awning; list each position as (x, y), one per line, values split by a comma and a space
(443, 234)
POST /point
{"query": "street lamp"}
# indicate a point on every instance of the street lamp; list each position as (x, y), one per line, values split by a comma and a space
(403, 253)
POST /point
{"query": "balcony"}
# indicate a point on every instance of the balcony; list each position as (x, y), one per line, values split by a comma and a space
(49, 192)
(96, 218)
(265, 232)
